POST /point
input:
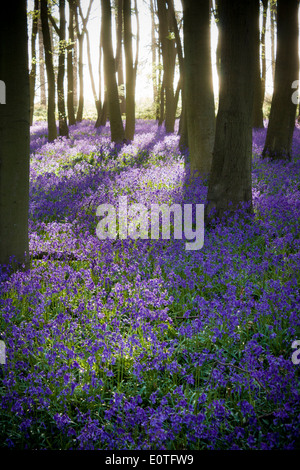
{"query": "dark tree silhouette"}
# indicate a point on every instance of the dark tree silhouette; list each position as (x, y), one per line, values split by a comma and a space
(283, 109)
(198, 91)
(14, 135)
(230, 177)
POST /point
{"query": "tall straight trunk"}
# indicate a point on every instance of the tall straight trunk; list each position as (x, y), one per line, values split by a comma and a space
(130, 73)
(283, 110)
(75, 70)
(218, 55)
(32, 76)
(43, 101)
(230, 178)
(180, 85)
(14, 136)
(52, 130)
(70, 65)
(153, 57)
(273, 27)
(257, 114)
(119, 55)
(80, 74)
(199, 96)
(168, 55)
(100, 110)
(160, 109)
(62, 118)
(116, 125)
(263, 50)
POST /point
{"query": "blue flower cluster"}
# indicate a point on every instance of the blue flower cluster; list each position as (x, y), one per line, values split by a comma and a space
(140, 344)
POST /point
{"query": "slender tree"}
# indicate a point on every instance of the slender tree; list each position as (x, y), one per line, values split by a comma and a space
(230, 178)
(32, 76)
(154, 58)
(167, 40)
(257, 113)
(130, 72)
(61, 32)
(283, 110)
(43, 101)
(14, 136)
(52, 130)
(199, 96)
(80, 36)
(70, 66)
(273, 14)
(119, 6)
(116, 125)
(263, 50)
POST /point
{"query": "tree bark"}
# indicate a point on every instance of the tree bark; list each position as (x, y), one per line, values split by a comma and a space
(263, 50)
(43, 101)
(119, 55)
(154, 57)
(70, 65)
(32, 76)
(52, 130)
(283, 110)
(257, 113)
(130, 75)
(168, 56)
(14, 137)
(116, 125)
(62, 119)
(199, 96)
(273, 27)
(230, 178)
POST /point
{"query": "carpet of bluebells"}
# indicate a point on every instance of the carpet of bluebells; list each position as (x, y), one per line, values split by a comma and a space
(141, 344)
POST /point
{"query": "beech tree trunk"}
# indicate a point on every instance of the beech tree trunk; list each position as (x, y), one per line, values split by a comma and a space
(130, 72)
(283, 110)
(70, 64)
(116, 125)
(62, 119)
(263, 50)
(52, 130)
(119, 55)
(154, 59)
(257, 113)
(168, 56)
(43, 101)
(273, 26)
(230, 178)
(198, 91)
(32, 76)
(14, 136)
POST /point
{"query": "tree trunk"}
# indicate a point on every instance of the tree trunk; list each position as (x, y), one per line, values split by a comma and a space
(199, 96)
(32, 76)
(154, 60)
(119, 55)
(62, 119)
(70, 64)
(116, 125)
(283, 110)
(257, 114)
(43, 101)
(14, 136)
(230, 178)
(80, 74)
(263, 51)
(52, 130)
(130, 75)
(75, 70)
(273, 26)
(168, 55)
